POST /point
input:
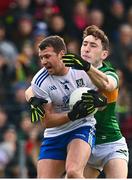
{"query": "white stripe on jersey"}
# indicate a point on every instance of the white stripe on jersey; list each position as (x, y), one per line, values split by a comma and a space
(57, 89)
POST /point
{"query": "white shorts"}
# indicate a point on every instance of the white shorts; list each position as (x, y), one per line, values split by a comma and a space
(102, 153)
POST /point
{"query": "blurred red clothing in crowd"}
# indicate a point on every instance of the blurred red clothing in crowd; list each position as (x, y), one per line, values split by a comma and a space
(4, 5)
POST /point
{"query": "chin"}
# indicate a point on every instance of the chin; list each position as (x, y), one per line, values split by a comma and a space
(50, 72)
(88, 60)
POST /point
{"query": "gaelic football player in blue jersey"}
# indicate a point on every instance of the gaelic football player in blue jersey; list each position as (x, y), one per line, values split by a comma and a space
(69, 134)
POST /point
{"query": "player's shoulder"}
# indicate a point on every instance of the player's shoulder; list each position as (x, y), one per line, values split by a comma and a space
(109, 70)
(40, 76)
(77, 71)
(80, 75)
(107, 66)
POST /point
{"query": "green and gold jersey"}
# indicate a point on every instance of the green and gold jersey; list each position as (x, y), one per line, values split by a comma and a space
(107, 124)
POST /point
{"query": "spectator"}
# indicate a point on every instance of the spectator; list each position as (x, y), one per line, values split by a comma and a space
(79, 19)
(96, 18)
(122, 47)
(24, 30)
(25, 126)
(7, 48)
(123, 104)
(24, 65)
(129, 16)
(73, 46)
(57, 26)
(18, 104)
(3, 122)
(115, 18)
(8, 147)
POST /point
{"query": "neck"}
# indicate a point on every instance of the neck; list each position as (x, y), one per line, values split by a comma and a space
(97, 64)
(63, 71)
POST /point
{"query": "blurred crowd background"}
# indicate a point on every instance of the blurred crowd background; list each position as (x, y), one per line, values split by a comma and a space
(23, 24)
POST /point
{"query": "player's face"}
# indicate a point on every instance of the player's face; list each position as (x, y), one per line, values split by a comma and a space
(52, 61)
(92, 50)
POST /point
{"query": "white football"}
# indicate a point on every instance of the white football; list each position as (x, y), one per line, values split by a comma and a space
(76, 96)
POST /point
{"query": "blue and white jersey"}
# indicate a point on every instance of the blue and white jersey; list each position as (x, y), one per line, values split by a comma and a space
(57, 89)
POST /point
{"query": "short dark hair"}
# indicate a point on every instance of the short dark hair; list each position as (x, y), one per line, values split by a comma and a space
(53, 41)
(97, 33)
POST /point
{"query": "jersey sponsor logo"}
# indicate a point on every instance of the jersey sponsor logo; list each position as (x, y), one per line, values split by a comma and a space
(53, 87)
(65, 100)
(80, 83)
(65, 104)
(65, 84)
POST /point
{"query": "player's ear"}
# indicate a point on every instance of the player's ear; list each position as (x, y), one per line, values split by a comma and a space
(61, 53)
(105, 53)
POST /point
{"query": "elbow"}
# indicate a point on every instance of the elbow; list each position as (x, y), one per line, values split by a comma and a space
(108, 87)
(105, 87)
(47, 123)
(29, 93)
(46, 120)
(26, 95)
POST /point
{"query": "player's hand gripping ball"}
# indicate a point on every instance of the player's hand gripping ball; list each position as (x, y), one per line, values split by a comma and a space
(85, 102)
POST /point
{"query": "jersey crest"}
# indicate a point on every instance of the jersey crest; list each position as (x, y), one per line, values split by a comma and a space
(80, 83)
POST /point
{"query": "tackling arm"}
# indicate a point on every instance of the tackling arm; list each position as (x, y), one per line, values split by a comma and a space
(101, 80)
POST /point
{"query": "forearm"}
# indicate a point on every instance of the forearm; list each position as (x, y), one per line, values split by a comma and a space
(29, 93)
(55, 119)
(100, 79)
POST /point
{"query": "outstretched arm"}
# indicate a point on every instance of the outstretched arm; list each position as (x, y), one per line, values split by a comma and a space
(100, 79)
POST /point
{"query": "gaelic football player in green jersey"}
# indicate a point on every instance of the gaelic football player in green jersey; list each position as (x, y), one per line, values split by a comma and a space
(110, 153)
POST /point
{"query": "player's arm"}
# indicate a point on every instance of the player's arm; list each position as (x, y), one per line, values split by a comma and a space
(36, 106)
(29, 93)
(46, 112)
(81, 109)
(100, 79)
(41, 110)
(53, 119)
